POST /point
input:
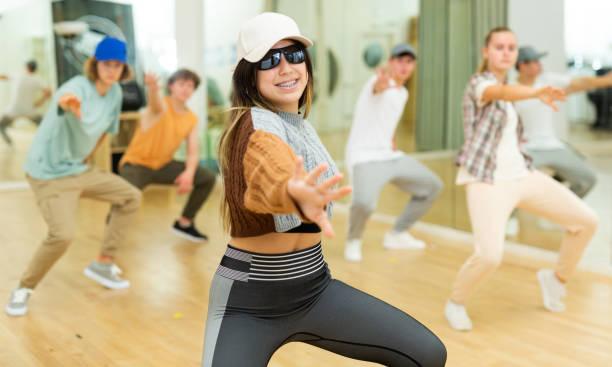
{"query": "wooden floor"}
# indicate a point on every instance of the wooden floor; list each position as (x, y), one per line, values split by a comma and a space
(160, 320)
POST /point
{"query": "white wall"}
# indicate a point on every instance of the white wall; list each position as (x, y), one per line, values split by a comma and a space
(588, 30)
(222, 21)
(189, 31)
(347, 27)
(541, 24)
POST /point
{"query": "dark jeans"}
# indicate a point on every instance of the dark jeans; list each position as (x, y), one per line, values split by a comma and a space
(203, 181)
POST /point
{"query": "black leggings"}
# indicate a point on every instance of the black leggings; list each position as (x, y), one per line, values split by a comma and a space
(260, 302)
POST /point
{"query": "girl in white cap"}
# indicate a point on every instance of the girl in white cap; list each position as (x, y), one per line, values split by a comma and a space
(273, 285)
(498, 177)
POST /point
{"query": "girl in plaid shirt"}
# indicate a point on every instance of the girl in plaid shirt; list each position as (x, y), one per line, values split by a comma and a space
(499, 178)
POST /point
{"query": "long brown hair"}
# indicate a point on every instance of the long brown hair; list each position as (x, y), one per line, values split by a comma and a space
(244, 96)
(482, 67)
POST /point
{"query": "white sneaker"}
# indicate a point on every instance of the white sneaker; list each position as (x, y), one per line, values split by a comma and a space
(552, 290)
(457, 316)
(18, 303)
(402, 241)
(352, 251)
(512, 227)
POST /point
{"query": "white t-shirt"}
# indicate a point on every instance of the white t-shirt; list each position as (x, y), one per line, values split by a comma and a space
(509, 161)
(374, 123)
(539, 119)
(25, 90)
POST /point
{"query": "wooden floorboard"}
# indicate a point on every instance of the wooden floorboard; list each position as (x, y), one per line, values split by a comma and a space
(160, 320)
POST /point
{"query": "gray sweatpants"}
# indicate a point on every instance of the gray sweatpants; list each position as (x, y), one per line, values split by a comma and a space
(569, 166)
(404, 172)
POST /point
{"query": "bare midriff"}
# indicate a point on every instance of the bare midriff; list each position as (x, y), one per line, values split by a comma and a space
(276, 243)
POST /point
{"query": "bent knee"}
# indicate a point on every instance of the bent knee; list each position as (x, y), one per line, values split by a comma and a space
(59, 239)
(488, 261)
(591, 221)
(135, 197)
(436, 355)
(437, 187)
(362, 207)
(431, 352)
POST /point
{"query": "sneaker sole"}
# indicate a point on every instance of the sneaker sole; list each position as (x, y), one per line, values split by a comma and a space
(16, 311)
(91, 275)
(187, 236)
(545, 295)
(465, 328)
(454, 327)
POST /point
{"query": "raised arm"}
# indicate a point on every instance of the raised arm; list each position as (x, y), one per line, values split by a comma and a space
(589, 82)
(46, 93)
(512, 93)
(155, 104)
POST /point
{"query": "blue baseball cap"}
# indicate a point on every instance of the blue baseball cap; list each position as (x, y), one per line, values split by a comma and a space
(111, 49)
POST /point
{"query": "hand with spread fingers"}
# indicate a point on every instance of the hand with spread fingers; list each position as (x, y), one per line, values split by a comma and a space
(548, 95)
(184, 182)
(70, 102)
(152, 82)
(383, 80)
(312, 197)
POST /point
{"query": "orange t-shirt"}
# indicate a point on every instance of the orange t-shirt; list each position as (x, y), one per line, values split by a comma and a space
(155, 147)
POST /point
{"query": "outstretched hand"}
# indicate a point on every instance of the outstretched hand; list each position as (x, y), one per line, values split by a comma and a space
(312, 197)
(383, 79)
(184, 182)
(548, 95)
(70, 102)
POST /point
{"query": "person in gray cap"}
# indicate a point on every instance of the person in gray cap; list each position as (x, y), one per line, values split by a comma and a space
(26, 97)
(373, 161)
(542, 144)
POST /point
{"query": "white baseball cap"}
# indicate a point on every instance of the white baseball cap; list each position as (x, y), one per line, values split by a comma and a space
(259, 34)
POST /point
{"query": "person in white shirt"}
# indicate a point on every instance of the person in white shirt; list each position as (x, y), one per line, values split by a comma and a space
(25, 98)
(372, 160)
(542, 144)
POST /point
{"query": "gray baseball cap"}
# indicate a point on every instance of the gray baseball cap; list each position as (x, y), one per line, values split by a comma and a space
(402, 49)
(528, 53)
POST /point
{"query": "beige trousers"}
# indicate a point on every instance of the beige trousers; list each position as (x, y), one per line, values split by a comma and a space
(58, 200)
(490, 205)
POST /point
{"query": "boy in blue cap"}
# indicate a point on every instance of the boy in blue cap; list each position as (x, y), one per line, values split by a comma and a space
(83, 111)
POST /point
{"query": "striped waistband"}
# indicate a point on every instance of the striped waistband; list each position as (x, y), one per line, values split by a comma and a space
(247, 266)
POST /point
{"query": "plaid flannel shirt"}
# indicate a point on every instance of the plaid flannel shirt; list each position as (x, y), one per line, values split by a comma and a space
(483, 126)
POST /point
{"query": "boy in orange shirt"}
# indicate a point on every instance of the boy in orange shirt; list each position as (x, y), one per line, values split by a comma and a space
(165, 123)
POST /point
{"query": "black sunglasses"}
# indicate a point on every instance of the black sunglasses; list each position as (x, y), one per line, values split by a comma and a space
(294, 54)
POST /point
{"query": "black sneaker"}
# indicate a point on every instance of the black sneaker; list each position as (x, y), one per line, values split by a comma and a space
(190, 232)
